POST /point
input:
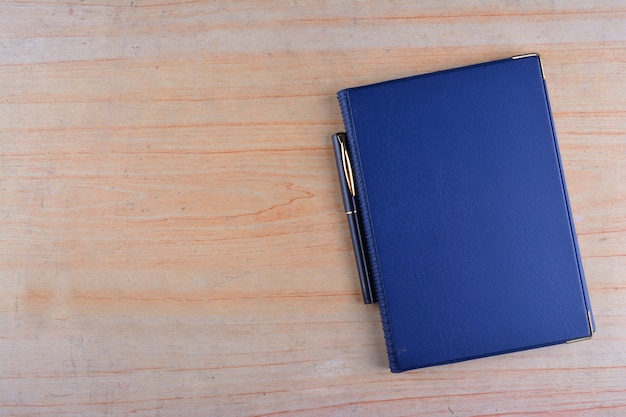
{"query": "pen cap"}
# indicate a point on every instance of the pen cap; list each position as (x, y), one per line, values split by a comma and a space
(343, 182)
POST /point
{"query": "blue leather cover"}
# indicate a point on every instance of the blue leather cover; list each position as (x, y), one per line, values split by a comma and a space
(466, 220)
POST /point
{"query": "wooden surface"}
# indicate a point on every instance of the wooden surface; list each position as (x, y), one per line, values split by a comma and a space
(172, 241)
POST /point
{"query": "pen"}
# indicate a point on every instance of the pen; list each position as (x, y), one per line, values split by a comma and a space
(346, 181)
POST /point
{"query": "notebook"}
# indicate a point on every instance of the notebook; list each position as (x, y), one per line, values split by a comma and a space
(462, 214)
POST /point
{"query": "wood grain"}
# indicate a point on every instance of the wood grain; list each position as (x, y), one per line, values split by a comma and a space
(171, 235)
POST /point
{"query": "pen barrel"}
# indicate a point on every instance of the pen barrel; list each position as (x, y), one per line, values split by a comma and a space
(357, 245)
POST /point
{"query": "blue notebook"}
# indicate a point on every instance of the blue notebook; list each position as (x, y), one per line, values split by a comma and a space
(463, 216)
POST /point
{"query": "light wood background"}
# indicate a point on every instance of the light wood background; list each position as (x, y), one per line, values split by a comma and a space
(172, 241)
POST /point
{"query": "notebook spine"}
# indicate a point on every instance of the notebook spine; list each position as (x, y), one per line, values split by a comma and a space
(368, 235)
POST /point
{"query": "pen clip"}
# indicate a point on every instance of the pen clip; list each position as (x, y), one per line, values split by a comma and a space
(347, 166)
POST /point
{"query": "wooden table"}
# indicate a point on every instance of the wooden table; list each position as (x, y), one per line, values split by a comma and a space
(171, 234)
